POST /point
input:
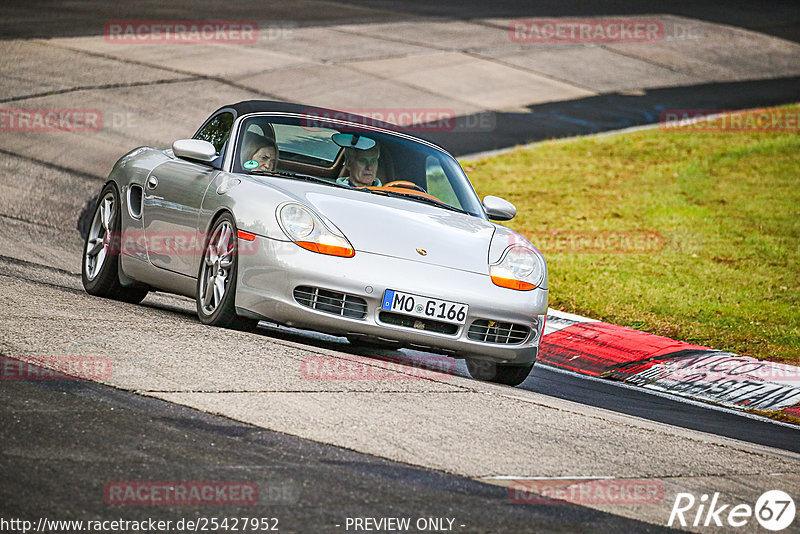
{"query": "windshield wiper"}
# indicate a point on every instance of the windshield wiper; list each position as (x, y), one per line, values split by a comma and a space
(412, 196)
(296, 175)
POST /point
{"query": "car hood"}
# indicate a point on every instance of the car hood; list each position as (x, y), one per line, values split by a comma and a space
(401, 228)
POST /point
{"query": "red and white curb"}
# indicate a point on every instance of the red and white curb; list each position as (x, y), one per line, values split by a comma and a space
(654, 362)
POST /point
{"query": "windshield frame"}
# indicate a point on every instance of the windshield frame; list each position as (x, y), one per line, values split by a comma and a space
(236, 133)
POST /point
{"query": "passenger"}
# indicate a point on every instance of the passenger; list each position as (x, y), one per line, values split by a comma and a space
(259, 153)
(362, 166)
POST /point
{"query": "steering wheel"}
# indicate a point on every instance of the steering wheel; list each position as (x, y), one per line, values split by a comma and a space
(406, 184)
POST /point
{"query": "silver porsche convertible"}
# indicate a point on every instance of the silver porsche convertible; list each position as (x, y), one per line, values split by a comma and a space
(311, 218)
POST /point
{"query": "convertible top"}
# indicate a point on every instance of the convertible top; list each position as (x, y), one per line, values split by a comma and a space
(257, 106)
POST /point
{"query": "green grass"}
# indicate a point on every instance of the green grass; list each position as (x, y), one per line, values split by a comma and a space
(727, 205)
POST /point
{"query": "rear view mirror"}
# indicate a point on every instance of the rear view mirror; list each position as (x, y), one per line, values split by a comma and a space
(499, 209)
(356, 141)
(195, 149)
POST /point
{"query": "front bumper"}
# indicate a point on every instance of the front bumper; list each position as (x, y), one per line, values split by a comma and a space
(270, 270)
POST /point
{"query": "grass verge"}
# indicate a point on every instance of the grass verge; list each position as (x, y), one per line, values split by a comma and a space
(689, 232)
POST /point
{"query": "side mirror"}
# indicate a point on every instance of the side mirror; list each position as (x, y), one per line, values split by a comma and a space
(195, 149)
(498, 209)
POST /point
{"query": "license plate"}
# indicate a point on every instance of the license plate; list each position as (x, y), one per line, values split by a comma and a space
(429, 308)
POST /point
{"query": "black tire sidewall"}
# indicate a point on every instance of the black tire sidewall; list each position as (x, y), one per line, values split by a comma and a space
(487, 371)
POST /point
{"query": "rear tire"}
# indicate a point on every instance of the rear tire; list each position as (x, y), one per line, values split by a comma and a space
(510, 375)
(216, 280)
(101, 250)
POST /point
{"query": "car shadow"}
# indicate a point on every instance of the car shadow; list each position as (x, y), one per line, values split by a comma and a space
(544, 380)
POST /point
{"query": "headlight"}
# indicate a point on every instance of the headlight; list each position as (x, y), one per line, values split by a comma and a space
(519, 268)
(308, 230)
(297, 221)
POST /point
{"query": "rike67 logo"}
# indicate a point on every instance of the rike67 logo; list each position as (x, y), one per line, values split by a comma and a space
(774, 510)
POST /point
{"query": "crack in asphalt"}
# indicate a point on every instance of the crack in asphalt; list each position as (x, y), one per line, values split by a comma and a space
(470, 52)
(476, 53)
(497, 61)
(20, 262)
(29, 221)
(39, 282)
(53, 166)
(99, 87)
(196, 76)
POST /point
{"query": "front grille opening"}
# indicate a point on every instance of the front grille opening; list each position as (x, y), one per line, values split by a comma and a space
(496, 332)
(331, 302)
(418, 323)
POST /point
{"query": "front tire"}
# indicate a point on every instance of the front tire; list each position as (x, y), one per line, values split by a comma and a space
(216, 281)
(101, 250)
(510, 375)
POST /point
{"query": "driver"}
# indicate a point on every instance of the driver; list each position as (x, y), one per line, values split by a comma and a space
(363, 167)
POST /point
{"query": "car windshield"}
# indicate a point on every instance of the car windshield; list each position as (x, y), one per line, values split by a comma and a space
(346, 155)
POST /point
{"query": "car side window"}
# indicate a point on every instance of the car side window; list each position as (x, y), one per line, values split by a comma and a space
(217, 130)
(438, 183)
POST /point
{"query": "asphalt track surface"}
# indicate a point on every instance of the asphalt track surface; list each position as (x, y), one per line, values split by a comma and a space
(29, 19)
(605, 394)
(567, 116)
(63, 441)
(88, 434)
(602, 113)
